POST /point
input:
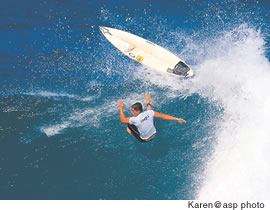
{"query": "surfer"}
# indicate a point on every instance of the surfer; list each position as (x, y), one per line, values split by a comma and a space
(141, 125)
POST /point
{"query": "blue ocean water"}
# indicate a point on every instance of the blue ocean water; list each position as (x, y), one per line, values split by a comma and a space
(61, 80)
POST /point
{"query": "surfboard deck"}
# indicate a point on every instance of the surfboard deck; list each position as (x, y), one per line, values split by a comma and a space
(146, 52)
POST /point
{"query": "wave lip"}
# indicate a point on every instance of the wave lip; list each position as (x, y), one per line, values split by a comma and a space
(239, 167)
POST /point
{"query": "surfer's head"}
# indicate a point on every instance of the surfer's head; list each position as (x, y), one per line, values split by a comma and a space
(136, 109)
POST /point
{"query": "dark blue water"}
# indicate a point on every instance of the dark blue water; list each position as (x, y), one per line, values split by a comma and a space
(61, 80)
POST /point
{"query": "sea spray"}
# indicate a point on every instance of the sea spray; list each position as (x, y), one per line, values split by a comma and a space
(239, 81)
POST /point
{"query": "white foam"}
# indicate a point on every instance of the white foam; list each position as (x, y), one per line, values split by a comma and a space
(55, 129)
(236, 76)
(49, 94)
(239, 81)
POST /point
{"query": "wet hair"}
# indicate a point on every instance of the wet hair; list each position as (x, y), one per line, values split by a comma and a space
(137, 107)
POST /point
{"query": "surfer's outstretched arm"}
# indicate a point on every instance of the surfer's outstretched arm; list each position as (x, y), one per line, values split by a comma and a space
(148, 101)
(168, 117)
(122, 115)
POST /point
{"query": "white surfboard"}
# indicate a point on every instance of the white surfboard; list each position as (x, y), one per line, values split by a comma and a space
(146, 52)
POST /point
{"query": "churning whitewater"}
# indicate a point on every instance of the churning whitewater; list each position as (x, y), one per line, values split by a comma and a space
(236, 76)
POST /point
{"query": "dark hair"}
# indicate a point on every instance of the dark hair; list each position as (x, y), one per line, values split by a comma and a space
(137, 106)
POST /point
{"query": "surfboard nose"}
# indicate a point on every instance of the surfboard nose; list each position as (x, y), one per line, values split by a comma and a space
(104, 30)
(101, 28)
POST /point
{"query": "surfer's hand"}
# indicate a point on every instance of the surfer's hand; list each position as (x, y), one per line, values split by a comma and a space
(147, 98)
(121, 104)
(181, 120)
